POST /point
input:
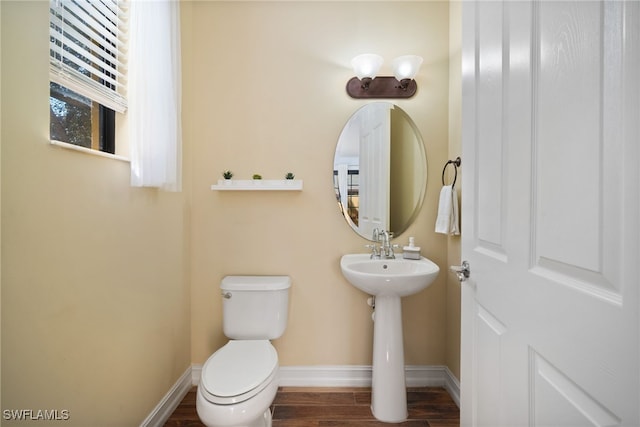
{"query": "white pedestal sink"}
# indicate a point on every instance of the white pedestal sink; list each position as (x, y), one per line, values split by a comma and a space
(388, 280)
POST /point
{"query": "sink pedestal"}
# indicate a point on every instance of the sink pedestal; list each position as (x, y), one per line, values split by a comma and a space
(388, 388)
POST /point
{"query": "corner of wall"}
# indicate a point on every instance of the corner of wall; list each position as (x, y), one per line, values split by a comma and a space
(455, 148)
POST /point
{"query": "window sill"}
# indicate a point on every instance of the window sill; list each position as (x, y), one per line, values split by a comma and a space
(84, 150)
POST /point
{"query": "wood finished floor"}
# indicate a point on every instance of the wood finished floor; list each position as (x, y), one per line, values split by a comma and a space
(332, 407)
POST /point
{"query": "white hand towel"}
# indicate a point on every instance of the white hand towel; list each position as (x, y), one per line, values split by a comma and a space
(447, 220)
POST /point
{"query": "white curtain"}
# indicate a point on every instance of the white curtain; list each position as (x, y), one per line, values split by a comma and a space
(154, 94)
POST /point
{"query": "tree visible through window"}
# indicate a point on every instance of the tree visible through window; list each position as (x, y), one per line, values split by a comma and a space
(87, 79)
(77, 120)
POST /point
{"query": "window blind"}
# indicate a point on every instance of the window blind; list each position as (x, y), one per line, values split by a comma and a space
(88, 49)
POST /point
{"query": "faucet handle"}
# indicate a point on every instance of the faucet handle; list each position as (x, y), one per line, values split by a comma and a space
(374, 250)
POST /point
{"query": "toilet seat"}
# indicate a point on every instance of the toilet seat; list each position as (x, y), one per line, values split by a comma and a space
(238, 371)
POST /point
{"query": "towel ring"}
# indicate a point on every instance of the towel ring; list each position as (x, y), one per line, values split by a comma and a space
(456, 163)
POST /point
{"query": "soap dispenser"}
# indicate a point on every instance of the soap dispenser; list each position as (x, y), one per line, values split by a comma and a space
(412, 251)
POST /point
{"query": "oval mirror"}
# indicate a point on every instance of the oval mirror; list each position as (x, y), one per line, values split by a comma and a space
(380, 170)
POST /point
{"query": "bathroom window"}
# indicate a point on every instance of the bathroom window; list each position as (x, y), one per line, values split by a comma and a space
(87, 71)
(78, 120)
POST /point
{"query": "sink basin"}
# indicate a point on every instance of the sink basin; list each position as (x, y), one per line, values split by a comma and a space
(379, 277)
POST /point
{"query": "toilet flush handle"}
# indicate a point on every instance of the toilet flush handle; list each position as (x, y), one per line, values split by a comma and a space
(226, 295)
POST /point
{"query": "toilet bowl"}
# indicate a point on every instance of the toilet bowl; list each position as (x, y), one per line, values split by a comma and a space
(238, 384)
(239, 381)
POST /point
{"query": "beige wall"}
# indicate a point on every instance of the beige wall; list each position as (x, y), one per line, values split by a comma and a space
(109, 293)
(95, 297)
(265, 93)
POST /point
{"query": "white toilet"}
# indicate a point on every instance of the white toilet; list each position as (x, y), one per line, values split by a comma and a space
(239, 381)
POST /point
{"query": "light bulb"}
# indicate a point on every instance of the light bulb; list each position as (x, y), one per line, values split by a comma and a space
(366, 65)
(406, 67)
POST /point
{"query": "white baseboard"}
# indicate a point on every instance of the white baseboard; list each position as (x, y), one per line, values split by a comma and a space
(452, 385)
(325, 376)
(358, 376)
(170, 401)
(196, 370)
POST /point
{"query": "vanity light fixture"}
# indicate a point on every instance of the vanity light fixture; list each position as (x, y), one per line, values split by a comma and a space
(367, 85)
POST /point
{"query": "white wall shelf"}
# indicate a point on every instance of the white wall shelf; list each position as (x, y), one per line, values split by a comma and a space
(258, 185)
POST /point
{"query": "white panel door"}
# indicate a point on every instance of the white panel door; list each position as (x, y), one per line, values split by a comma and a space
(375, 164)
(551, 130)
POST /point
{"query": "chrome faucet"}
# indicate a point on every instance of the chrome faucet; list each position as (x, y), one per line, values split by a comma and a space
(386, 249)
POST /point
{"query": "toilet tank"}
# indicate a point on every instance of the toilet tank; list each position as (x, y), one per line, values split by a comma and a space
(255, 307)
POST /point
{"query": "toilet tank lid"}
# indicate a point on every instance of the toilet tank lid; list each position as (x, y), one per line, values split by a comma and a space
(255, 283)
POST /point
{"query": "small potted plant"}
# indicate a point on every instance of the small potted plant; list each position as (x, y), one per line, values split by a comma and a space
(227, 175)
(288, 178)
(257, 178)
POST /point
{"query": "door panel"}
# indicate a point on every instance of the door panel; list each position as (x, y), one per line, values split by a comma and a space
(560, 401)
(490, 209)
(489, 339)
(576, 140)
(551, 117)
